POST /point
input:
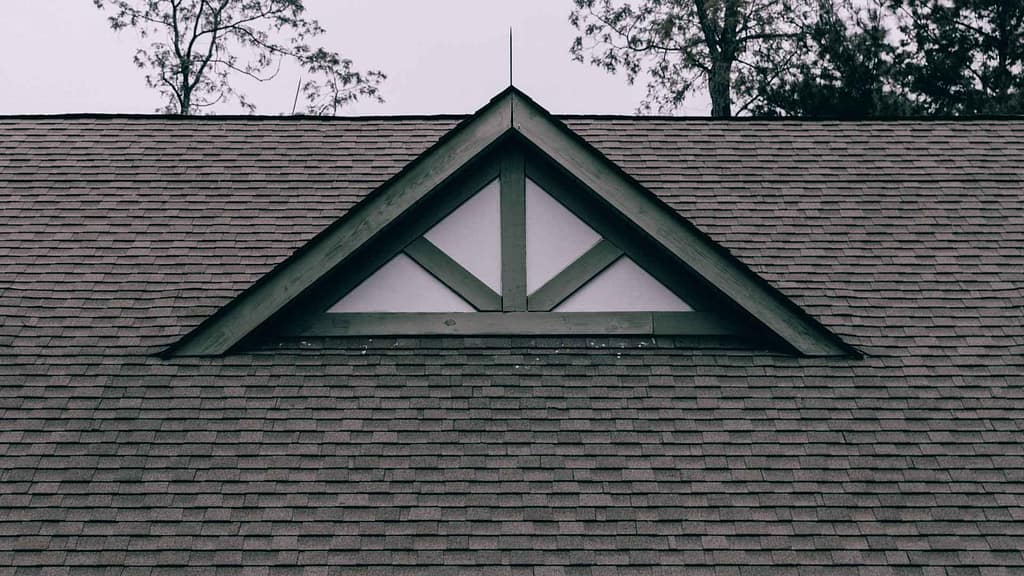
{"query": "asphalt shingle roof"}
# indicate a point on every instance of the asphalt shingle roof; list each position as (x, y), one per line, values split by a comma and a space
(511, 455)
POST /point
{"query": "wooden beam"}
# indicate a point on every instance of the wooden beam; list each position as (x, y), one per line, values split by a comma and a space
(574, 276)
(681, 238)
(453, 275)
(339, 241)
(515, 323)
(692, 324)
(513, 231)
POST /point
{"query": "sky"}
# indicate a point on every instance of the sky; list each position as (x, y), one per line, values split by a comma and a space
(441, 56)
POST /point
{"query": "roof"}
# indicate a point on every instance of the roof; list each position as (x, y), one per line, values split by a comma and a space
(585, 455)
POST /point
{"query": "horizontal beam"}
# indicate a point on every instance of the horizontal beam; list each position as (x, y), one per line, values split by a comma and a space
(453, 275)
(574, 276)
(514, 323)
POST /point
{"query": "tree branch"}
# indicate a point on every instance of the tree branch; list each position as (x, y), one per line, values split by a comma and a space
(710, 37)
(245, 38)
(213, 42)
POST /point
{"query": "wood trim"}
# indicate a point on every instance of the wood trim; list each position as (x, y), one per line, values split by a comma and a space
(453, 275)
(681, 238)
(331, 247)
(516, 323)
(513, 231)
(574, 276)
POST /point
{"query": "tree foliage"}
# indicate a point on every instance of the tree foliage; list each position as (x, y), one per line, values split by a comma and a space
(847, 68)
(852, 58)
(198, 49)
(963, 56)
(727, 46)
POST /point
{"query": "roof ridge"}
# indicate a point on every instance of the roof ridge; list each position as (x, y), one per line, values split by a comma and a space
(225, 117)
(462, 116)
(783, 119)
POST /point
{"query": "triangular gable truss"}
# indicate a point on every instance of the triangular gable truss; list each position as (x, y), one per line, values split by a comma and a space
(512, 138)
(515, 308)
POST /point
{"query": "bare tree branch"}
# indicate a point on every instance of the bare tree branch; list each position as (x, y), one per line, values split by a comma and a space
(198, 49)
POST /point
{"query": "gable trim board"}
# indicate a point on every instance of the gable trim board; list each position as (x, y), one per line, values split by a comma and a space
(521, 323)
(510, 113)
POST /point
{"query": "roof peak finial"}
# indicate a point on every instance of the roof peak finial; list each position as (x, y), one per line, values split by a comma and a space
(510, 56)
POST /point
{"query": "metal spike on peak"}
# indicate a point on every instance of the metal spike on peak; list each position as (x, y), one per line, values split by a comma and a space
(510, 56)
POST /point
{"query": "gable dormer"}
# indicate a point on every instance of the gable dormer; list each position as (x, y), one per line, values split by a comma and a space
(512, 225)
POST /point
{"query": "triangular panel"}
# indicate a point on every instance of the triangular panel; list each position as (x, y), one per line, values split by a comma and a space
(471, 235)
(401, 285)
(623, 287)
(555, 237)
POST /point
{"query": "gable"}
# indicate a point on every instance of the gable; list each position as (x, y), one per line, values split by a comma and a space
(599, 191)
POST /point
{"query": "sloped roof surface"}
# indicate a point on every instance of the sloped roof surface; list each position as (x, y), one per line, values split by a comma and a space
(588, 456)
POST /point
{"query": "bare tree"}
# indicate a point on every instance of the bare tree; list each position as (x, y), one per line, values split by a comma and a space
(198, 49)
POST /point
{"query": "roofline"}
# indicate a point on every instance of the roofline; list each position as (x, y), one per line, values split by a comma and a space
(459, 117)
(226, 117)
(782, 119)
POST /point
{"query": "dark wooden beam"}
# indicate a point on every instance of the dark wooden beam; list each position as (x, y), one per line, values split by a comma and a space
(516, 323)
(574, 276)
(453, 275)
(513, 231)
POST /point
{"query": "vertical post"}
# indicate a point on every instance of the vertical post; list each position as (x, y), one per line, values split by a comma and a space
(513, 231)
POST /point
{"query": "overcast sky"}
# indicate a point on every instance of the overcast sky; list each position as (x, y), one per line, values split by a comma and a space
(441, 56)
